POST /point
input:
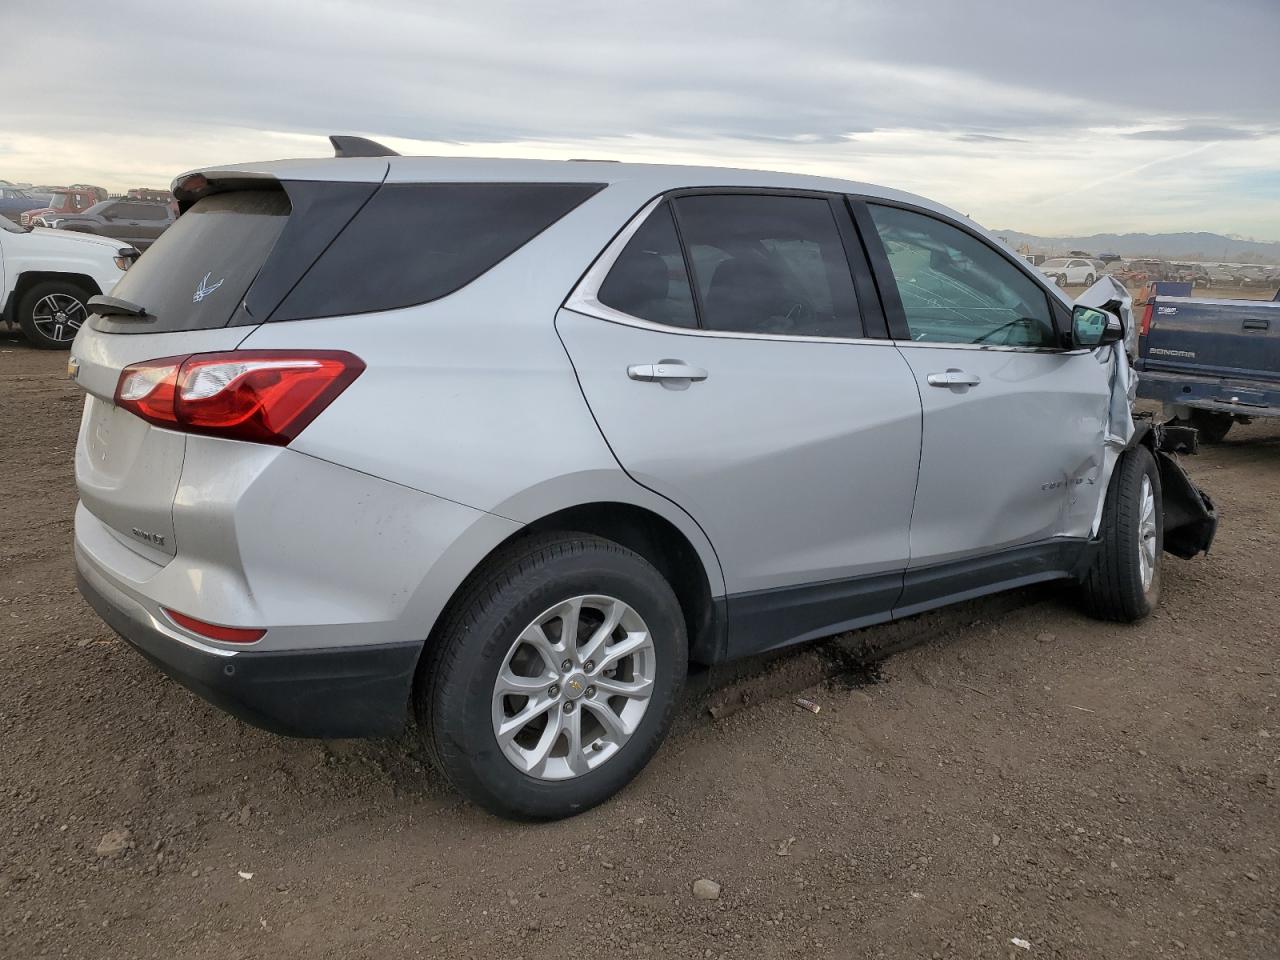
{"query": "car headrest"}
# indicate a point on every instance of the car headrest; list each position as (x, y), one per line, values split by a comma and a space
(637, 278)
(741, 296)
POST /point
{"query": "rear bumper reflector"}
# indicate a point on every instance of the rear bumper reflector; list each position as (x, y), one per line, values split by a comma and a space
(214, 631)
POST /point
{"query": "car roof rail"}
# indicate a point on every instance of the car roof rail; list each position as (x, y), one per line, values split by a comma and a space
(359, 147)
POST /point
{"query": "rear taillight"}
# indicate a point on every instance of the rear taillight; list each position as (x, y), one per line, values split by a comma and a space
(1148, 302)
(262, 396)
(214, 631)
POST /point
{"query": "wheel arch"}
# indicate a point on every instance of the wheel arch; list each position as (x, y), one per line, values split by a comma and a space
(29, 278)
(698, 586)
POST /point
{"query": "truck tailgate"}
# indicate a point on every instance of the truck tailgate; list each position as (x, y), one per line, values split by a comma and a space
(1238, 340)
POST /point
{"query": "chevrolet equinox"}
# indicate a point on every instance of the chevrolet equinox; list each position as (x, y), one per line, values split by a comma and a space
(508, 445)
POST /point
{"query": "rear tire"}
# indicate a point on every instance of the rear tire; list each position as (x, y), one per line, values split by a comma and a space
(504, 632)
(1123, 583)
(1088, 281)
(52, 312)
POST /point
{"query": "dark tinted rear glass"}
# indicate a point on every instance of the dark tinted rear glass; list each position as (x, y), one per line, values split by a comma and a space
(196, 274)
(141, 211)
(416, 242)
(649, 279)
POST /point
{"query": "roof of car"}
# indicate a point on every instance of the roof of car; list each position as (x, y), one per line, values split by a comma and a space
(656, 178)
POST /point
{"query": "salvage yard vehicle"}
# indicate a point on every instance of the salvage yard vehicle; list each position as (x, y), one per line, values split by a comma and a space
(62, 202)
(512, 444)
(15, 202)
(1070, 271)
(1144, 271)
(46, 278)
(136, 222)
(1211, 363)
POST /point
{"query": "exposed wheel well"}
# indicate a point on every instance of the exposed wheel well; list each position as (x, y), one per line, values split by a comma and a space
(30, 278)
(654, 538)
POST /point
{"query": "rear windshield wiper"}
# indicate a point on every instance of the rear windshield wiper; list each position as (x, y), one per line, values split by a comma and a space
(114, 307)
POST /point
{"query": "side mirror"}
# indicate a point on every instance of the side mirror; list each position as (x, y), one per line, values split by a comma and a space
(1091, 327)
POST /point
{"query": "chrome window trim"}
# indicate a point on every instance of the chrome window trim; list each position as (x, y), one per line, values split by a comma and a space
(609, 315)
(1000, 347)
(583, 300)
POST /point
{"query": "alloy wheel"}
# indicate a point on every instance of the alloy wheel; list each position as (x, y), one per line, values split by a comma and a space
(1147, 539)
(573, 687)
(58, 316)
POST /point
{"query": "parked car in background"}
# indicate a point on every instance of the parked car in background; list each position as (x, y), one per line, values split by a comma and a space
(1257, 276)
(147, 193)
(1070, 271)
(46, 278)
(136, 222)
(1220, 275)
(1212, 363)
(615, 407)
(62, 202)
(1109, 257)
(99, 192)
(1195, 274)
(1137, 272)
(15, 202)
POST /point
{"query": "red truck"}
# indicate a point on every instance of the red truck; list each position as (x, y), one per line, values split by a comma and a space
(66, 200)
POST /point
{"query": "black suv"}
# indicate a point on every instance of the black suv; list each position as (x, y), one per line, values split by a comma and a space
(137, 222)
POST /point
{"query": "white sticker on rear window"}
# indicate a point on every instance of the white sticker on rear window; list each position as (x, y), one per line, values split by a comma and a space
(205, 288)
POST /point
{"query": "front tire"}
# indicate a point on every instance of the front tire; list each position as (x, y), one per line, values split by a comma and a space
(51, 313)
(1123, 584)
(554, 677)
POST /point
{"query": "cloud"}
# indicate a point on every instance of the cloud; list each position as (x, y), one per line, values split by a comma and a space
(963, 101)
(988, 138)
(1202, 132)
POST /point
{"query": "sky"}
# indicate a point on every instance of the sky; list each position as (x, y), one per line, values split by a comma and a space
(1055, 119)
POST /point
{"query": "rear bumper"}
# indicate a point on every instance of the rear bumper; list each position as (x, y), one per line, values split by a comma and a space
(1221, 395)
(355, 691)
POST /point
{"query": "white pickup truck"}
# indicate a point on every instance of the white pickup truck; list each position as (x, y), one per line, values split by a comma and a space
(47, 275)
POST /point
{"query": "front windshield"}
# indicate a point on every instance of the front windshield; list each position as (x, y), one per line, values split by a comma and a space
(1061, 262)
(60, 201)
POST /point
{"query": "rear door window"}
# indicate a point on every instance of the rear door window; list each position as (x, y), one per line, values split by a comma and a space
(769, 264)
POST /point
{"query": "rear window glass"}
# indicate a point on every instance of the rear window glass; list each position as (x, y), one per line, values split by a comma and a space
(416, 242)
(195, 275)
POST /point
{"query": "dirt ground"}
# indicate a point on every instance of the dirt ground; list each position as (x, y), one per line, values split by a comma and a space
(1098, 791)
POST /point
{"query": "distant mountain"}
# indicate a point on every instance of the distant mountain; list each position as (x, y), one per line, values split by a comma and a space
(1174, 246)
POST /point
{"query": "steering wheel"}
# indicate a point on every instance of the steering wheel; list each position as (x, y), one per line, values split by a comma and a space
(1006, 329)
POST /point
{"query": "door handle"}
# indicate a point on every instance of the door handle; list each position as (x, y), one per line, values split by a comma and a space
(665, 370)
(954, 378)
(1261, 324)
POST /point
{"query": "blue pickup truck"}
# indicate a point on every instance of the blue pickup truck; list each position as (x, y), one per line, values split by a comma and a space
(1212, 363)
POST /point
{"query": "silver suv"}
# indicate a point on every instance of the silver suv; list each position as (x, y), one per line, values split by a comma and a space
(508, 445)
